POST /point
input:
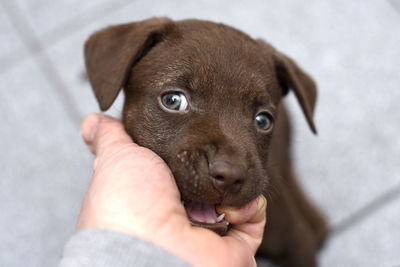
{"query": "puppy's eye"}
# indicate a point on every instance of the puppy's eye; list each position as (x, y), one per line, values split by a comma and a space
(263, 121)
(175, 101)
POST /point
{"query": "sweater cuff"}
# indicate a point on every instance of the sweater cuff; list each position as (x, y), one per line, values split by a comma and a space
(101, 248)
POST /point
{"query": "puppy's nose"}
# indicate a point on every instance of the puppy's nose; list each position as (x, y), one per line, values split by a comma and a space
(227, 177)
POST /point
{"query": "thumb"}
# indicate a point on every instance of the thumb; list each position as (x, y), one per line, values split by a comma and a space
(248, 222)
(101, 132)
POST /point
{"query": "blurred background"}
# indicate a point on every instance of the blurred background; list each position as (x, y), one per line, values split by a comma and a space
(350, 169)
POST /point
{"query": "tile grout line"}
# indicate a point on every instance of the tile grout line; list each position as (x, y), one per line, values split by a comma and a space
(43, 61)
(368, 209)
(59, 33)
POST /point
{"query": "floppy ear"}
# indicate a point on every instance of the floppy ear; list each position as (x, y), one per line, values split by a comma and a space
(111, 53)
(293, 77)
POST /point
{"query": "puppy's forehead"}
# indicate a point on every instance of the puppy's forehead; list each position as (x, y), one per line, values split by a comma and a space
(209, 55)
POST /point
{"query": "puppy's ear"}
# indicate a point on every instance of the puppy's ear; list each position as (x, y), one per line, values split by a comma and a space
(111, 53)
(293, 77)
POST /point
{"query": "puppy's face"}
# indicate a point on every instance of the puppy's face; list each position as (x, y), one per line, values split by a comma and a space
(204, 97)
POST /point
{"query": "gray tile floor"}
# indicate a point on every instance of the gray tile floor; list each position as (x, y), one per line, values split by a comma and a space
(351, 169)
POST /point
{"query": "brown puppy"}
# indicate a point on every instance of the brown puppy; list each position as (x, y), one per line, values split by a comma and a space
(206, 98)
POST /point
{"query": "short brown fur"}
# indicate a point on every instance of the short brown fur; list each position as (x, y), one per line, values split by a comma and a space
(228, 78)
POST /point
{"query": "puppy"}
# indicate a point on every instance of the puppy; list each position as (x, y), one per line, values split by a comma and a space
(206, 98)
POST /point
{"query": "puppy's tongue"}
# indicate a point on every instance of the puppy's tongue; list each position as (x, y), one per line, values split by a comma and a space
(204, 215)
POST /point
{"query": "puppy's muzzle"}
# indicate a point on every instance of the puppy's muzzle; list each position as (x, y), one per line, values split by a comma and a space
(223, 178)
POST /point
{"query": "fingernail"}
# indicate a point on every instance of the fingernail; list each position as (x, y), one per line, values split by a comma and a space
(261, 203)
(89, 127)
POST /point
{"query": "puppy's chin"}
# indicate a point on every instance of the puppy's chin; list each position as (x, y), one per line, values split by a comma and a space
(204, 215)
(202, 211)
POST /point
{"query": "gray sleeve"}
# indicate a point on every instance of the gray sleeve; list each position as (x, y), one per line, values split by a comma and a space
(96, 247)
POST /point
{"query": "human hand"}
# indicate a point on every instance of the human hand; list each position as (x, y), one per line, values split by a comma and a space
(133, 191)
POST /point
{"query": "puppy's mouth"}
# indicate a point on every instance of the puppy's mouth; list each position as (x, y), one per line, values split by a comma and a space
(204, 215)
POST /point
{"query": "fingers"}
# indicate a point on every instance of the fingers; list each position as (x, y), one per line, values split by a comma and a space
(248, 213)
(247, 221)
(100, 131)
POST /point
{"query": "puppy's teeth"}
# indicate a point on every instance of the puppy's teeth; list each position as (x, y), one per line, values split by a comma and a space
(221, 217)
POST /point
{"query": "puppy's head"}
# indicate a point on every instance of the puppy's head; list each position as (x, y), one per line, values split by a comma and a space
(204, 97)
